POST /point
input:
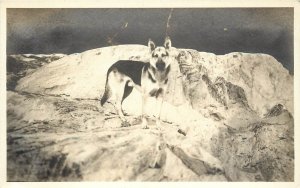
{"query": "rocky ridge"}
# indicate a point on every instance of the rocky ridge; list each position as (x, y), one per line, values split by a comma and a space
(226, 118)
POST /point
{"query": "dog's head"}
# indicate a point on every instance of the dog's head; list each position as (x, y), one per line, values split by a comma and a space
(160, 56)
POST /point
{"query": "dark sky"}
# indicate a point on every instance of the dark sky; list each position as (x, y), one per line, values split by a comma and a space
(216, 30)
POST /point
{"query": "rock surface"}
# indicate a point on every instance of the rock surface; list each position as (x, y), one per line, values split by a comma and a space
(21, 65)
(225, 118)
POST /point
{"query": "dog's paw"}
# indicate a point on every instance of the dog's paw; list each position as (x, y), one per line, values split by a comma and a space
(145, 124)
(158, 128)
(125, 124)
(136, 121)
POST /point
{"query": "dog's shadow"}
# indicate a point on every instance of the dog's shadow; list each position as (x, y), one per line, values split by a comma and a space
(112, 119)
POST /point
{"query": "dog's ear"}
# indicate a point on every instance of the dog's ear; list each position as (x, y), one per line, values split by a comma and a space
(151, 45)
(167, 43)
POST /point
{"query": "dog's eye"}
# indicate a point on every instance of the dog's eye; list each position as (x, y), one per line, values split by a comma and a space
(163, 55)
(154, 55)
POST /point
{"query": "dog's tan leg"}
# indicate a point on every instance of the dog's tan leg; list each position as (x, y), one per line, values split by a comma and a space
(118, 104)
(119, 110)
(144, 104)
(160, 95)
(158, 120)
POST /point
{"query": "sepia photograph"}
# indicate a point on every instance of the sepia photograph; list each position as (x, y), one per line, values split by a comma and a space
(200, 94)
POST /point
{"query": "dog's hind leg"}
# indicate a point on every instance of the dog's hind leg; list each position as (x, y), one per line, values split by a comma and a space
(119, 100)
(127, 90)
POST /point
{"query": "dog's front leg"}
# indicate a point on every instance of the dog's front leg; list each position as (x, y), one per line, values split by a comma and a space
(144, 103)
(160, 94)
(124, 122)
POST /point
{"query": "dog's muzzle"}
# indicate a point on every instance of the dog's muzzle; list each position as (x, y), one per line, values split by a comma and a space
(161, 65)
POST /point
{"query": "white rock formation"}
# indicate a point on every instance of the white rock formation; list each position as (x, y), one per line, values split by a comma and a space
(226, 118)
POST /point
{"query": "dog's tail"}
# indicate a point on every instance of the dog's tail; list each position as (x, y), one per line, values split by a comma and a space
(106, 93)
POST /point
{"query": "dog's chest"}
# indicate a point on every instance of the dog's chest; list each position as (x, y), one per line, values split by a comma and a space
(153, 80)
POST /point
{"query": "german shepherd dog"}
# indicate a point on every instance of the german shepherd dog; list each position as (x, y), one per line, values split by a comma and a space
(149, 78)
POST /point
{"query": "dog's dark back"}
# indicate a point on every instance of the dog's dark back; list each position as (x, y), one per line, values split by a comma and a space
(132, 69)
